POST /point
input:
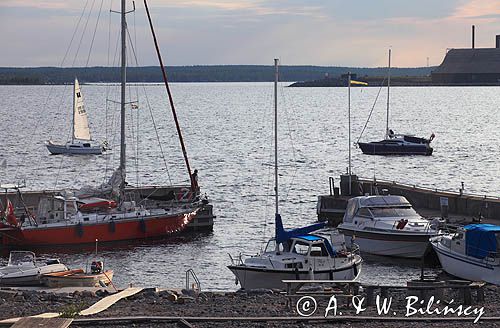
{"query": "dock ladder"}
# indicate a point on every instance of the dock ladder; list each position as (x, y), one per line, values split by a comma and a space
(196, 285)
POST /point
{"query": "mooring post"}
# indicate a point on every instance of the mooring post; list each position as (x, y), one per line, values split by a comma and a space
(369, 295)
(467, 296)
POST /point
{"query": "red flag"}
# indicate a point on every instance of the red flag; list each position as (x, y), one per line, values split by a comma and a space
(11, 217)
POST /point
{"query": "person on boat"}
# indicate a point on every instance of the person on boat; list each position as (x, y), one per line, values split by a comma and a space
(194, 181)
(391, 134)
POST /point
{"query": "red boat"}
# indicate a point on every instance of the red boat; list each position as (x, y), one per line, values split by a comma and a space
(108, 213)
(108, 228)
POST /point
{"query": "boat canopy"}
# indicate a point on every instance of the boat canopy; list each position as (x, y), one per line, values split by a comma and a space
(314, 238)
(482, 240)
(356, 203)
(382, 201)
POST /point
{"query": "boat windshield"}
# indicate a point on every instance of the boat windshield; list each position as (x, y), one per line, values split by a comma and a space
(20, 258)
(393, 212)
(271, 246)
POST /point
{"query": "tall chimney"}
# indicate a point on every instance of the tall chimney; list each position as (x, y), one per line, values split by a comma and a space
(498, 42)
(473, 34)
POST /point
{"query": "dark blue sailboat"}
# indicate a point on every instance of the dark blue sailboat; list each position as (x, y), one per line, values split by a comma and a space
(396, 144)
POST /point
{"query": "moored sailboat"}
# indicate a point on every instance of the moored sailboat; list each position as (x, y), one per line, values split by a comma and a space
(81, 218)
(396, 144)
(294, 254)
(81, 142)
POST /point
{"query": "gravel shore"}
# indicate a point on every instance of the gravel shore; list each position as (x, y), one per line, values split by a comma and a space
(262, 303)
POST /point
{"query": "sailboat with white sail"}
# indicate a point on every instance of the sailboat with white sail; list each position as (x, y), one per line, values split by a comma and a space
(393, 143)
(81, 142)
(109, 213)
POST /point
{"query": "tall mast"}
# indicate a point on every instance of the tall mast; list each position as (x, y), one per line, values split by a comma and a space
(123, 75)
(74, 113)
(276, 76)
(349, 125)
(178, 127)
(388, 89)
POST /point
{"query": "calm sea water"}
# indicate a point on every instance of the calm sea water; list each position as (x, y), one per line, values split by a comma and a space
(228, 132)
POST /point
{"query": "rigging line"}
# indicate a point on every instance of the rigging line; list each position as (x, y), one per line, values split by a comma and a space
(152, 115)
(63, 60)
(290, 136)
(157, 135)
(110, 133)
(93, 35)
(106, 106)
(83, 33)
(268, 190)
(138, 109)
(371, 111)
(51, 89)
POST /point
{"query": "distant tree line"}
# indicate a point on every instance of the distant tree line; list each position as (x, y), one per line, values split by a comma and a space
(214, 73)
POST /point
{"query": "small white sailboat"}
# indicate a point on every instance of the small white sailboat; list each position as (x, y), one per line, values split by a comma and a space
(472, 253)
(294, 254)
(81, 142)
(387, 225)
(23, 269)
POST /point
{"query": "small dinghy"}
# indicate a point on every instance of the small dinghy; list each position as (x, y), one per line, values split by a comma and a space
(23, 269)
(79, 278)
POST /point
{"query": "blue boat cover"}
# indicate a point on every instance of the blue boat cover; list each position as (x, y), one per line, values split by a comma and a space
(283, 235)
(481, 239)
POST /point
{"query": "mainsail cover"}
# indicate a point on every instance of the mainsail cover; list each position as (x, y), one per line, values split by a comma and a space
(80, 121)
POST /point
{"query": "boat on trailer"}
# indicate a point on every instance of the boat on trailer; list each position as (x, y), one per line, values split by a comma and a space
(472, 253)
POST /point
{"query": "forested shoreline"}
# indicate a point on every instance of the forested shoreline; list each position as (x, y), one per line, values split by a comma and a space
(212, 73)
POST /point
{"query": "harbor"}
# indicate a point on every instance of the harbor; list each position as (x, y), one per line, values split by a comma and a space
(207, 204)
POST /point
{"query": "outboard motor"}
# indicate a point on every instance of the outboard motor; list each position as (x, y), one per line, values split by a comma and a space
(96, 267)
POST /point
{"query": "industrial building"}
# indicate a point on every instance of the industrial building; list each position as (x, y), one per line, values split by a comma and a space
(472, 66)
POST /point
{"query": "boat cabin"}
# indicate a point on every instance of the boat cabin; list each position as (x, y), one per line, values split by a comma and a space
(307, 245)
(378, 208)
(476, 240)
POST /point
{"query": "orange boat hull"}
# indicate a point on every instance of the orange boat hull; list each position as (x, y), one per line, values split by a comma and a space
(77, 278)
(107, 231)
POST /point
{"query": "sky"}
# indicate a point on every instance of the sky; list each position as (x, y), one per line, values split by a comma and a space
(212, 32)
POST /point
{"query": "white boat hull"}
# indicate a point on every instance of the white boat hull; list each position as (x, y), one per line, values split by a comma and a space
(56, 149)
(397, 247)
(257, 278)
(27, 276)
(467, 267)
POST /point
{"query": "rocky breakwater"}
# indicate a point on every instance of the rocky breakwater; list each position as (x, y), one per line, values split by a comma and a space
(22, 303)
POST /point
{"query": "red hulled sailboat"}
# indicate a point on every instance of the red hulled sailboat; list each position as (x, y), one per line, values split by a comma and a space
(109, 213)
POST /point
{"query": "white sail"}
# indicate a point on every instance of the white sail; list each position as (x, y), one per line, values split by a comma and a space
(80, 121)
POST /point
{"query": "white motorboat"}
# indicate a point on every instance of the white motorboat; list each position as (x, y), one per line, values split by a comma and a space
(81, 142)
(294, 254)
(23, 269)
(387, 225)
(472, 253)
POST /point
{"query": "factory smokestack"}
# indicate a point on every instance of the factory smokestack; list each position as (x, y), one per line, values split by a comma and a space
(473, 35)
